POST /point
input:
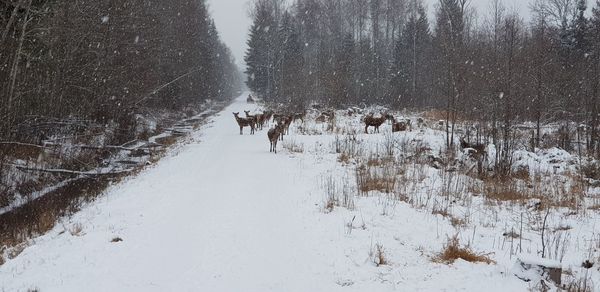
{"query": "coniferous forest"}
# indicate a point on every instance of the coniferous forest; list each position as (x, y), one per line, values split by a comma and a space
(494, 67)
(65, 63)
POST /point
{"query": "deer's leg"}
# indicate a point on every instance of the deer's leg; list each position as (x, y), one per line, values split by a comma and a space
(366, 129)
(241, 130)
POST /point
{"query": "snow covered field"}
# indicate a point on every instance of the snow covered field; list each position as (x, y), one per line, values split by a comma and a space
(221, 213)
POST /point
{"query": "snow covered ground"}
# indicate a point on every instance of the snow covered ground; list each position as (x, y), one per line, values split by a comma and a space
(221, 213)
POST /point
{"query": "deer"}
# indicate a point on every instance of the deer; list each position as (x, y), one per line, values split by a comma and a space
(390, 118)
(475, 150)
(479, 148)
(285, 121)
(273, 136)
(371, 121)
(401, 125)
(244, 123)
(299, 116)
(250, 99)
(268, 115)
(261, 119)
(252, 118)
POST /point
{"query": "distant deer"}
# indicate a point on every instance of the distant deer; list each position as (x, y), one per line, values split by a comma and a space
(371, 121)
(287, 122)
(260, 119)
(250, 99)
(390, 118)
(401, 126)
(326, 116)
(268, 114)
(299, 116)
(477, 151)
(480, 148)
(244, 123)
(273, 136)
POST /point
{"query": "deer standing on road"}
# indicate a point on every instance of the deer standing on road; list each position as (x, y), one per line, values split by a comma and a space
(244, 123)
(273, 136)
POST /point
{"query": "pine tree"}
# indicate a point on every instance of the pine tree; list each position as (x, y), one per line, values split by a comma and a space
(261, 54)
(290, 62)
(412, 47)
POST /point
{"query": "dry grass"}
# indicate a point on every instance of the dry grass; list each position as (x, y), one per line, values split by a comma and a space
(595, 207)
(379, 257)
(293, 146)
(337, 194)
(522, 174)
(76, 229)
(167, 141)
(380, 175)
(369, 183)
(500, 189)
(344, 158)
(453, 251)
(457, 222)
(16, 250)
(443, 212)
(376, 160)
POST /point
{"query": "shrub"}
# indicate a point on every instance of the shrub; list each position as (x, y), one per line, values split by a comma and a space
(453, 251)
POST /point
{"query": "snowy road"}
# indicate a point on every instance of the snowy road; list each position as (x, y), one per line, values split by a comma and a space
(223, 214)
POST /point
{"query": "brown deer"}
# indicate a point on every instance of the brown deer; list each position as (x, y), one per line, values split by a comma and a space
(475, 150)
(285, 121)
(268, 115)
(479, 148)
(273, 136)
(371, 121)
(253, 118)
(244, 123)
(401, 126)
(261, 119)
(299, 116)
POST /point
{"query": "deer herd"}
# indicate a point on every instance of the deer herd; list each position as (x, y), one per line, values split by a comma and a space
(258, 121)
(282, 122)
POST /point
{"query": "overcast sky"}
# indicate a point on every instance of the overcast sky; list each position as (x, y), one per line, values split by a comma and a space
(231, 17)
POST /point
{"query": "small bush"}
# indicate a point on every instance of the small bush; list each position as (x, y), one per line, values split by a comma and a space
(337, 195)
(503, 190)
(453, 251)
(382, 179)
(76, 229)
(379, 257)
(293, 146)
